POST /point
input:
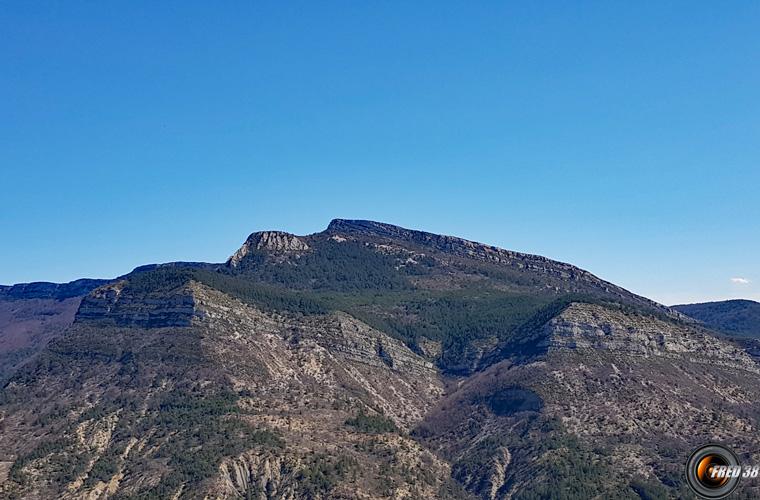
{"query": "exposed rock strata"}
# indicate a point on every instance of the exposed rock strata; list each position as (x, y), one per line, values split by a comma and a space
(271, 241)
(116, 304)
(595, 328)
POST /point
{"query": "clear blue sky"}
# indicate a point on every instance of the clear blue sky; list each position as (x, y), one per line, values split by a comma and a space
(621, 137)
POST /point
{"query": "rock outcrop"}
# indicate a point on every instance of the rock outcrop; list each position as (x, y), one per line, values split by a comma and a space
(269, 241)
(590, 327)
(117, 304)
(294, 381)
(631, 394)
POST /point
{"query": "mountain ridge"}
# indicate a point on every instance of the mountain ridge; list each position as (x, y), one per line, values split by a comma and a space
(48, 290)
(277, 240)
(370, 361)
(732, 317)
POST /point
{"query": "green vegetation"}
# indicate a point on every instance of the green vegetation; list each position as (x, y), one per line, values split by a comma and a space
(62, 463)
(497, 311)
(55, 414)
(156, 280)
(372, 424)
(648, 489)
(196, 431)
(457, 318)
(9, 361)
(573, 473)
(732, 317)
(322, 474)
(564, 467)
(346, 267)
(479, 312)
(264, 295)
(103, 469)
(463, 320)
(191, 430)
(512, 400)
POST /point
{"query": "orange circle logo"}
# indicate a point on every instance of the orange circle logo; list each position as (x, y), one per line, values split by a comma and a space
(711, 471)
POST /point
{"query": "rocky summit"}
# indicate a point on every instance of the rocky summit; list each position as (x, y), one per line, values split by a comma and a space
(364, 361)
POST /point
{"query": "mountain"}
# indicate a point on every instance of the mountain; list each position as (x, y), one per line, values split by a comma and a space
(733, 317)
(31, 314)
(45, 290)
(372, 361)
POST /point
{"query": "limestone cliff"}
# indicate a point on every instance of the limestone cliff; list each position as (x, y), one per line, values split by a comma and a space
(270, 241)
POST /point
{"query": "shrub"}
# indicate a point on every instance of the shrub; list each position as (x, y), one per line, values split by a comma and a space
(372, 424)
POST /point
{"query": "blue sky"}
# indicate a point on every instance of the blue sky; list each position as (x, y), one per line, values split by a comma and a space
(621, 137)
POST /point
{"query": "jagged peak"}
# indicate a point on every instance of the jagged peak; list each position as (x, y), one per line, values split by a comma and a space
(273, 241)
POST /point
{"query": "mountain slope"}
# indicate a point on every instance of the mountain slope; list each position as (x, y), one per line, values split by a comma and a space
(611, 409)
(267, 399)
(466, 297)
(31, 314)
(371, 361)
(45, 290)
(733, 317)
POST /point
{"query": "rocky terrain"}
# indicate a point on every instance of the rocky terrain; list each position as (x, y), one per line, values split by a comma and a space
(32, 314)
(266, 398)
(368, 361)
(611, 409)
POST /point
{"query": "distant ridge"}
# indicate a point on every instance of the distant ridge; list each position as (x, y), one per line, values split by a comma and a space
(364, 361)
(733, 317)
(46, 290)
